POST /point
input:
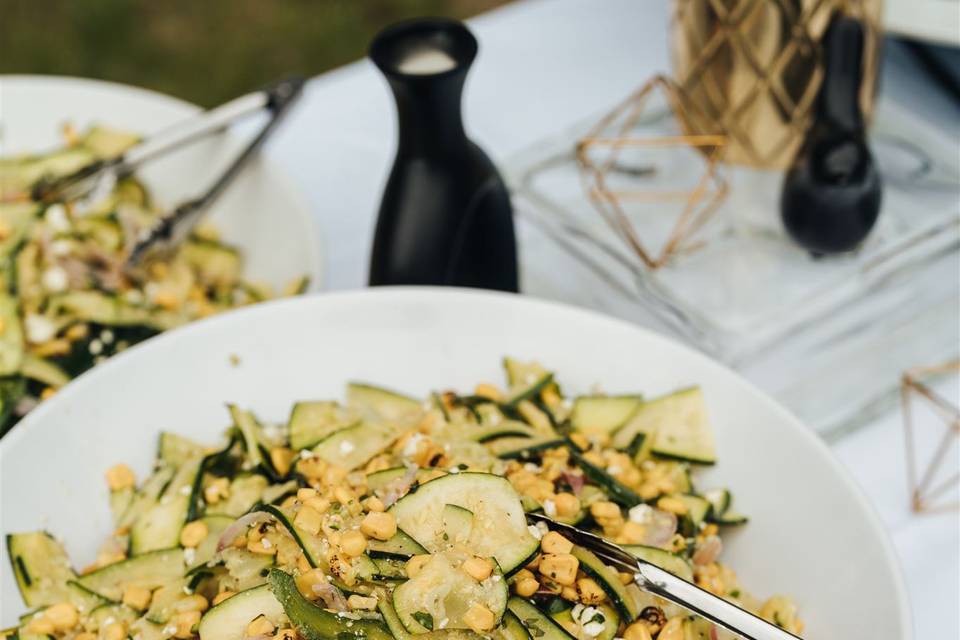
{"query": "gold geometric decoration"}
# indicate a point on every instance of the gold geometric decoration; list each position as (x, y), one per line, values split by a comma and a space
(924, 489)
(599, 156)
(755, 67)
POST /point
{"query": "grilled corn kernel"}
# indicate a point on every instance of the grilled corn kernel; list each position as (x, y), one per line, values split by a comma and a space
(216, 491)
(223, 595)
(526, 587)
(625, 578)
(374, 504)
(193, 533)
(307, 579)
(260, 627)
(343, 495)
(119, 477)
(306, 493)
(361, 602)
(195, 602)
(561, 568)
(118, 630)
(353, 543)
(567, 504)
(381, 526)
(285, 634)
(555, 543)
(673, 505)
(479, 618)
(632, 533)
(62, 615)
(415, 564)
(636, 631)
(263, 546)
(281, 458)
(570, 594)
(604, 509)
(309, 520)
(673, 630)
(489, 391)
(318, 504)
(478, 568)
(590, 592)
(136, 597)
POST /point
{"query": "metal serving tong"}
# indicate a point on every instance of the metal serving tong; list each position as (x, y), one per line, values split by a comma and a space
(655, 580)
(174, 227)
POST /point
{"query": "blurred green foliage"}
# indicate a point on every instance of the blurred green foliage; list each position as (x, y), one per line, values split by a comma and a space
(204, 51)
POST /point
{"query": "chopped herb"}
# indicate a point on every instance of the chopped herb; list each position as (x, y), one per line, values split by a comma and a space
(735, 593)
(424, 618)
(445, 536)
(535, 631)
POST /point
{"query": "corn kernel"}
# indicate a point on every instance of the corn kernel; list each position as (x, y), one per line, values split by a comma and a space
(361, 602)
(193, 533)
(526, 587)
(374, 504)
(40, 626)
(260, 627)
(136, 597)
(306, 580)
(281, 458)
(415, 564)
(285, 634)
(119, 477)
(62, 615)
(567, 504)
(118, 630)
(262, 546)
(216, 491)
(353, 543)
(555, 543)
(318, 504)
(673, 630)
(86, 635)
(381, 526)
(479, 618)
(343, 495)
(47, 393)
(590, 592)
(637, 631)
(604, 509)
(306, 493)
(223, 595)
(632, 533)
(489, 391)
(673, 505)
(580, 440)
(561, 568)
(195, 602)
(478, 568)
(309, 520)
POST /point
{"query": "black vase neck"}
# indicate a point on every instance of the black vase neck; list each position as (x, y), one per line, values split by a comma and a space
(839, 99)
(428, 102)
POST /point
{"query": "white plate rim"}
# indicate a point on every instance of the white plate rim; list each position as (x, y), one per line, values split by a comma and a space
(78, 386)
(316, 249)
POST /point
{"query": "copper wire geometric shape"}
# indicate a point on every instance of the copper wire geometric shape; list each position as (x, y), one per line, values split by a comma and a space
(611, 135)
(922, 489)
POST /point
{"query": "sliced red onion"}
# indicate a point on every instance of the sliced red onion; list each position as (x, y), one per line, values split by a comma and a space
(575, 480)
(708, 551)
(660, 528)
(713, 633)
(331, 596)
(240, 526)
(399, 487)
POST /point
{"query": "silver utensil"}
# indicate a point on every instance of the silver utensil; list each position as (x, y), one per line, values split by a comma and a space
(664, 584)
(99, 177)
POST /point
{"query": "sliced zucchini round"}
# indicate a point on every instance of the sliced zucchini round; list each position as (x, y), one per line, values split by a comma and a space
(440, 595)
(499, 527)
(599, 618)
(229, 619)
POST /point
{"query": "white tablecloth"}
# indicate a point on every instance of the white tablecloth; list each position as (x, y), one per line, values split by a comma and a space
(545, 65)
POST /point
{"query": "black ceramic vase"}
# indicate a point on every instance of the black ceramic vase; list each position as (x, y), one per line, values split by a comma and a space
(445, 217)
(831, 196)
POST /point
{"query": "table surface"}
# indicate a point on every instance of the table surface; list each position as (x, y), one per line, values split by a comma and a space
(545, 65)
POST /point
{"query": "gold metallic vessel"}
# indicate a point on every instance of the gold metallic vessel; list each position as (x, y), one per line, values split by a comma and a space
(755, 67)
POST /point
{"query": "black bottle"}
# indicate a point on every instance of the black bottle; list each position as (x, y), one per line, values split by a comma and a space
(446, 217)
(831, 196)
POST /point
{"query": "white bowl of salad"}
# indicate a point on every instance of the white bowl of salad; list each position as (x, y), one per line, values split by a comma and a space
(67, 299)
(358, 465)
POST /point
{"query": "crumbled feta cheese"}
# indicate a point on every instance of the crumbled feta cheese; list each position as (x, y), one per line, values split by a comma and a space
(495, 419)
(56, 217)
(169, 630)
(550, 508)
(534, 531)
(133, 296)
(54, 280)
(593, 629)
(185, 490)
(109, 620)
(532, 467)
(443, 623)
(39, 328)
(346, 447)
(107, 336)
(96, 347)
(641, 514)
(189, 555)
(265, 543)
(306, 453)
(614, 469)
(576, 611)
(454, 470)
(544, 529)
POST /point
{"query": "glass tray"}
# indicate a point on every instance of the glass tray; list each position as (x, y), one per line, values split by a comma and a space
(829, 337)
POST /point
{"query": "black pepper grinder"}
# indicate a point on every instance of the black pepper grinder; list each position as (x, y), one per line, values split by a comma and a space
(445, 217)
(831, 195)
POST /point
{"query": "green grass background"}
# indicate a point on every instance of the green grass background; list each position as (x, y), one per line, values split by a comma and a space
(204, 51)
